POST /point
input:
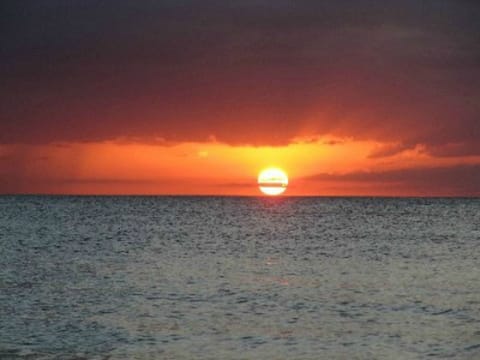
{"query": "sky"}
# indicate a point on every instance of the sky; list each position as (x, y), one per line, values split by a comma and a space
(349, 97)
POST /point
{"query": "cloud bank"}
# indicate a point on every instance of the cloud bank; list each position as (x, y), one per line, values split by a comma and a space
(242, 72)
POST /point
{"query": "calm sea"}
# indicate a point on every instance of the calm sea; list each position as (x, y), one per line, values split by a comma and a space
(239, 278)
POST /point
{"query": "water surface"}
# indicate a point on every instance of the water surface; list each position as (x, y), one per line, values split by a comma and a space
(239, 278)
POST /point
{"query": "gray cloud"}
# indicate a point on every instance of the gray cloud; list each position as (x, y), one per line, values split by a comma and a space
(455, 180)
(256, 72)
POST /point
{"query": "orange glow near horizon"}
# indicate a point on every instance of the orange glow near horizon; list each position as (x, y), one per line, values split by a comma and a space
(208, 168)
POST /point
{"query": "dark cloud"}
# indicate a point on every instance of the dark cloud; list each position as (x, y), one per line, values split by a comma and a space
(257, 72)
(457, 180)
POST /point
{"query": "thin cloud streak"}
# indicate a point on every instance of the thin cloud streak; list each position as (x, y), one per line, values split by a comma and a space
(458, 180)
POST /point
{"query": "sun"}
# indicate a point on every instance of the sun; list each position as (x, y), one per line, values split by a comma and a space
(272, 181)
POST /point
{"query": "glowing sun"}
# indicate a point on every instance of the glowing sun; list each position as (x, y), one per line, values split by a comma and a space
(272, 181)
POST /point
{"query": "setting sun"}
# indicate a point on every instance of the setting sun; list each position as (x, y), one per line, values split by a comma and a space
(272, 181)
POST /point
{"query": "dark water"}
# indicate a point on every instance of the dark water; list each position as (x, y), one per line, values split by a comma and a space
(239, 278)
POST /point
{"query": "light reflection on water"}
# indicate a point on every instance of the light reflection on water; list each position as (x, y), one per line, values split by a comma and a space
(239, 278)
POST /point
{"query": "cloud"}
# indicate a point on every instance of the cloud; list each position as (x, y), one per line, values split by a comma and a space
(244, 72)
(457, 180)
(390, 150)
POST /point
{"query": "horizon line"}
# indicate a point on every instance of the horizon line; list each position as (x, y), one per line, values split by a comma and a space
(245, 196)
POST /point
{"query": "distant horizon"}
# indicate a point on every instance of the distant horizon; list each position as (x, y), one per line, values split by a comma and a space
(273, 198)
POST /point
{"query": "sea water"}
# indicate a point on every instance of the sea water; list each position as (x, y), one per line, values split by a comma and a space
(239, 278)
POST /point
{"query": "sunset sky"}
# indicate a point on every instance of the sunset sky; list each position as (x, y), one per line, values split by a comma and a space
(197, 97)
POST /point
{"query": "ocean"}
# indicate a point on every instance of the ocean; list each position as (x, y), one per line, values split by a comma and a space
(239, 278)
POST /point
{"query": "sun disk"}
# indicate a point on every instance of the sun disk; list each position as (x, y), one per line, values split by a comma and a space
(272, 181)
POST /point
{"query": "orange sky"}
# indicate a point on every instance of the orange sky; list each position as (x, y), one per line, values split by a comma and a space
(349, 97)
(324, 166)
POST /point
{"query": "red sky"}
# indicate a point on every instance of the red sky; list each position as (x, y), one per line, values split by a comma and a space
(168, 97)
